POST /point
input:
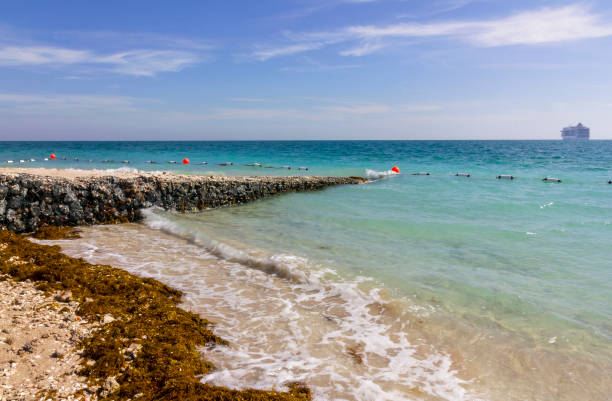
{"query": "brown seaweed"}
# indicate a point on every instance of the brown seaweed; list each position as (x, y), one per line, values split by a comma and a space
(145, 341)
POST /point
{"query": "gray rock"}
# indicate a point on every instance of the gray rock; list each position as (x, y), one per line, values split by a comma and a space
(28, 201)
(64, 296)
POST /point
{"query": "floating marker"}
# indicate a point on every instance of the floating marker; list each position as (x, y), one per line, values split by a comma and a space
(421, 173)
(185, 161)
(505, 176)
(552, 179)
(395, 169)
(463, 175)
(52, 156)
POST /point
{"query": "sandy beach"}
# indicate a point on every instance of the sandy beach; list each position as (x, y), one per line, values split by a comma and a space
(72, 330)
(39, 342)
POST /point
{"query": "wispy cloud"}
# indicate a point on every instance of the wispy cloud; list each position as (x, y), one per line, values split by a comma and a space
(132, 62)
(148, 62)
(319, 6)
(138, 40)
(94, 52)
(445, 6)
(267, 54)
(37, 104)
(35, 55)
(256, 109)
(319, 112)
(311, 65)
(252, 100)
(533, 27)
(362, 50)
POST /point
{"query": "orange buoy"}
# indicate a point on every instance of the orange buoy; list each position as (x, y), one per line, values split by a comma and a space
(185, 161)
(395, 169)
(52, 156)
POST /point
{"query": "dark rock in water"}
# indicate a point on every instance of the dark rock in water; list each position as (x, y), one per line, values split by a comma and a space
(29, 201)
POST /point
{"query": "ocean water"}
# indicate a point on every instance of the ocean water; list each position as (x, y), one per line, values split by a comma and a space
(408, 287)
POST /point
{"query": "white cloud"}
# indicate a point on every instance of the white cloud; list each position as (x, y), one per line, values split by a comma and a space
(48, 104)
(362, 50)
(358, 109)
(137, 40)
(543, 26)
(533, 27)
(164, 54)
(547, 25)
(133, 62)
(35, 55)
(347, 112)
(264, 55)
(148, 62)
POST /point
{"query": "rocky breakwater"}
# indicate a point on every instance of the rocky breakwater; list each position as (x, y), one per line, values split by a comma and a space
(31, 199)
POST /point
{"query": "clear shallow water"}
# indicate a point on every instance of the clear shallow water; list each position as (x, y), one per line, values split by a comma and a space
(512, 280)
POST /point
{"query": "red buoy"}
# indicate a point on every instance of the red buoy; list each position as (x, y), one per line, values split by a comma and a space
(395, 169)
(185, 161)
(52, 156)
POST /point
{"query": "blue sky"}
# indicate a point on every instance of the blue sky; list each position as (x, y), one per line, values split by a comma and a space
(304, 69)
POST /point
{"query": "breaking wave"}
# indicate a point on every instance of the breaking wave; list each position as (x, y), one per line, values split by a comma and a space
(347, 331)
(285, 266)
(375, 175)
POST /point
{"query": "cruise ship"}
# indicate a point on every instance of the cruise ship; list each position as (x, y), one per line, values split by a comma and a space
(576, 133)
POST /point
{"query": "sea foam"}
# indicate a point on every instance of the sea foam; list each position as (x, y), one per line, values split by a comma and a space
(375, 175)
(344, 338)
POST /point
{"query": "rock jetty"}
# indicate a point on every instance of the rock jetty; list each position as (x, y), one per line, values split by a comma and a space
(30, 198)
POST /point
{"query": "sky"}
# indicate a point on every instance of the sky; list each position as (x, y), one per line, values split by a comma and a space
(304, 69)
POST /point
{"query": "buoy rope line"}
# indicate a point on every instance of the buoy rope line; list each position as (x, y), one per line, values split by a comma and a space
(186, 161)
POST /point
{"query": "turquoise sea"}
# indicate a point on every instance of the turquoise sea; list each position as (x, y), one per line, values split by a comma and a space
(437, 286)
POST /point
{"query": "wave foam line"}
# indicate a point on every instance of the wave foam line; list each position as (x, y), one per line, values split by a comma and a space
(350, 320)
(285, 266)
(375, 175)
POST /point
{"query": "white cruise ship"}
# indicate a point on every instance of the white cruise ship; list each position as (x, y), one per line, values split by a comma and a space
(576, 133)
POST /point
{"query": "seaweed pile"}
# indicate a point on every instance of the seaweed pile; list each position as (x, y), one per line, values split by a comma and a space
(146, 347)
